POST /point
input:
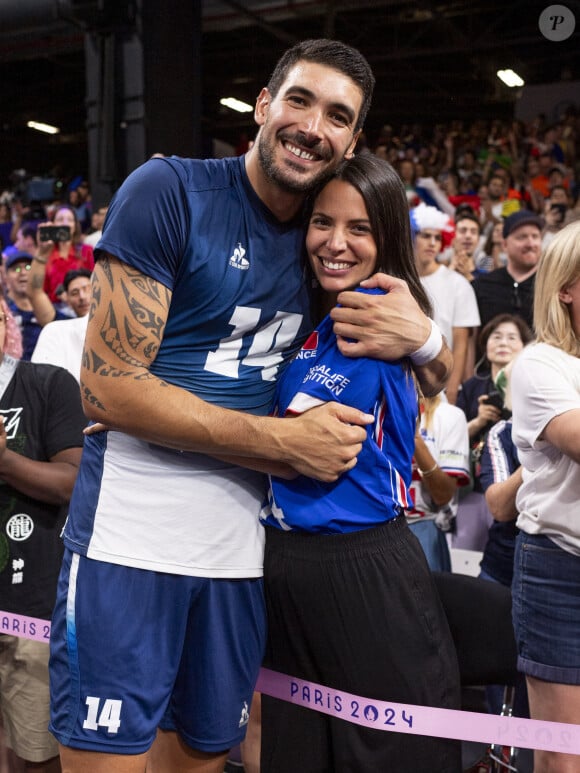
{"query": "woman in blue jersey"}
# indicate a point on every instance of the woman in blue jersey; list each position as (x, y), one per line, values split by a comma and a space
(350, 599)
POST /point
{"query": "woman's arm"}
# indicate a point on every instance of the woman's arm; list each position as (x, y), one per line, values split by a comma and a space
(501, 497)
(438, 483)
(563, 432)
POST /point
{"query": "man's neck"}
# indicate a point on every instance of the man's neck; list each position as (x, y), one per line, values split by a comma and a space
(519, 275)
(284, 205)
(426, 269)
(20, 301)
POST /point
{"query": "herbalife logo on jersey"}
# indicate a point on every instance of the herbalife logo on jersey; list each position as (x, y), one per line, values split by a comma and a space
(309, 349)
(238, 259)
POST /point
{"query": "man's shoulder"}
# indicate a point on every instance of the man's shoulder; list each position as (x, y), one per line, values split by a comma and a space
(206, 174)
(494, 278)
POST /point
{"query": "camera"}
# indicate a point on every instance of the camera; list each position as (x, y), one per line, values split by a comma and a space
(54, 233)
(495, 398)
(560, 209)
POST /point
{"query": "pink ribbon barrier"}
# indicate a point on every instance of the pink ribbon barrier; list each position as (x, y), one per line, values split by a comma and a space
(381, 715)
(422, 720)
(24, 627)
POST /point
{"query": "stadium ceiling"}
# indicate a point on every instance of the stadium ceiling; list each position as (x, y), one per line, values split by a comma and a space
(434, 61)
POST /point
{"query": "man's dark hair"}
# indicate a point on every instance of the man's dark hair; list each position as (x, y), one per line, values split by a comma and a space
(330, 53)
(29, 231)
(75, 273)
(467, 214)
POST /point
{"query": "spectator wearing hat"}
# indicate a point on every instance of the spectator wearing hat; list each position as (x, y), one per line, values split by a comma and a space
(17, 265)
(510, 290)
(451, 295)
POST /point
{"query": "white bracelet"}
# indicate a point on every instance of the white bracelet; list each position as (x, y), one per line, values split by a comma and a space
(430, 348)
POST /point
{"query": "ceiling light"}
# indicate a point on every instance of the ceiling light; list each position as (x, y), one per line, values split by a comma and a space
(510, 78)
(43, 127)
(236, 104)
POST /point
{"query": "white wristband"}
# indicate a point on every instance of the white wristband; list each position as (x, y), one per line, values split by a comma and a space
(430, 348)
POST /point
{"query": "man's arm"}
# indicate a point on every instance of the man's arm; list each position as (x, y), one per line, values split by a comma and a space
(44, 310)
(388, 327)
(51, 482)
(460, 344)
(128, 316)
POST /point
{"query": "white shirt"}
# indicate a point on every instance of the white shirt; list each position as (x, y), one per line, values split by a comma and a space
(61, 343)
(448, 442)
(453, 300)
(545, 383)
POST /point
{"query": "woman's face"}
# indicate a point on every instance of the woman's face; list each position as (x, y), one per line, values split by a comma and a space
(497, 234)
(339, 241)
(503, 344)
(65, 217)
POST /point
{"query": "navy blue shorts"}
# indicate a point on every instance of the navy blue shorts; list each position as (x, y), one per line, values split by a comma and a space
(133, 650)
(546, 609)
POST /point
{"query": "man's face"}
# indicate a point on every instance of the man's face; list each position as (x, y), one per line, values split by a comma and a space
(559, 196)
(466, 236)
(17, 278)
(78, 295)
(24, 243)
(428, 243)
(495, 188)
(98, 218)
(308, 127)
(523, 247)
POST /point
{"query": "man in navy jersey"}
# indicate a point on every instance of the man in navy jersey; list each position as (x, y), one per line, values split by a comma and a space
(199, 300)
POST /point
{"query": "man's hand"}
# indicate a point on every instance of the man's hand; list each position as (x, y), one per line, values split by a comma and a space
(463, 263)
(325, 441)
(386, 327)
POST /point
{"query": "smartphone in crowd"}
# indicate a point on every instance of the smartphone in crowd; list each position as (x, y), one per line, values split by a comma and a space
(54, 233)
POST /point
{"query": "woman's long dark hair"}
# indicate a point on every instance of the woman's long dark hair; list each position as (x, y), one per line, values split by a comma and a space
(385, 200)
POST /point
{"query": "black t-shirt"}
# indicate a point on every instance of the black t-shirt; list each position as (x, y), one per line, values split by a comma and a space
(42, 414)
(498, 293)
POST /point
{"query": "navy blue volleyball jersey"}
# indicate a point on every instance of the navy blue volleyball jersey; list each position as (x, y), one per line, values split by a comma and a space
(376, 489)
(239, 309)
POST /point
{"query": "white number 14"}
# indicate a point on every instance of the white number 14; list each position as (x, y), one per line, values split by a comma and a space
(266, 347)
(110, 716)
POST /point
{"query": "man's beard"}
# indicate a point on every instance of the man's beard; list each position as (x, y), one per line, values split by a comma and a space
(287, 183)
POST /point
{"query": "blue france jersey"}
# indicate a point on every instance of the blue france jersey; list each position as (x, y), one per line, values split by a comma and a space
(376, 489)
(239, 308)
(239, 312)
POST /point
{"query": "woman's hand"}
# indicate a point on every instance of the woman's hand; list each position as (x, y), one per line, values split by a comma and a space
(486, 413)
(44, 249)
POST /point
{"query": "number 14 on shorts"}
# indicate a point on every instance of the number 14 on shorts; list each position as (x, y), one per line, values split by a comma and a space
(108, 716)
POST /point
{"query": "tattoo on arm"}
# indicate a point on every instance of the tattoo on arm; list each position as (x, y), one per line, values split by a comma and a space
(105, 264)
(144, 316)
(148, 287)
(90, 398)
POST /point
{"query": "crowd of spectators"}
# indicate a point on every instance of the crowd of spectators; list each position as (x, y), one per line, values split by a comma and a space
(485, 199)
